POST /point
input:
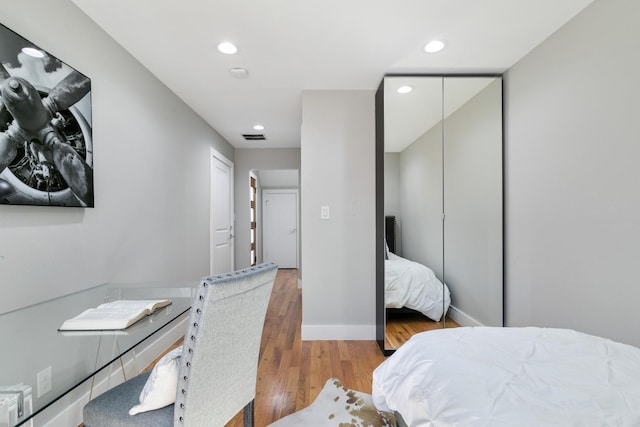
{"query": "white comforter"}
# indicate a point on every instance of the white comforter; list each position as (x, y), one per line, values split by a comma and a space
(487, 376)
(415, 286)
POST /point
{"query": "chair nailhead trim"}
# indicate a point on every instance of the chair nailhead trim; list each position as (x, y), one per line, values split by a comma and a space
(198, 307)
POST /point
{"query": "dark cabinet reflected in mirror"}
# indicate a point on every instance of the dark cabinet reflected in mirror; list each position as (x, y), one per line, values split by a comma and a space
(439, 205)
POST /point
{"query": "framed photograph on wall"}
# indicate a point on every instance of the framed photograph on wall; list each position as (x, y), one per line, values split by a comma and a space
(46, 146)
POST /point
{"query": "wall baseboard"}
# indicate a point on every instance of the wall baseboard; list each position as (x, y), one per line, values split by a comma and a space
(68, 410)
(338, 332)
(462, 318)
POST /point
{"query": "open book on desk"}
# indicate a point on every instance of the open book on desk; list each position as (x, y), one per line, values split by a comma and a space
(113, 315)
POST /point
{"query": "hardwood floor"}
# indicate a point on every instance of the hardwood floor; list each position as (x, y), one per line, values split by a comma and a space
(401, 327)
(291, 373)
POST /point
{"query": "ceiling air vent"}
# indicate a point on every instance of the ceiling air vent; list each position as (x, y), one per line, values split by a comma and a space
(253, 136)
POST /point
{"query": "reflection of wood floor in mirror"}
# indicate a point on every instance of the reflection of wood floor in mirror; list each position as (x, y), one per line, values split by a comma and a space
(400, 327)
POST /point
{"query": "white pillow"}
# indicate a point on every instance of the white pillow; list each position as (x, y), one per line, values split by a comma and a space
(162, 384)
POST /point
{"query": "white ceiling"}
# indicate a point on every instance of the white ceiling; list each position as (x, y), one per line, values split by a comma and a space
(289, 46)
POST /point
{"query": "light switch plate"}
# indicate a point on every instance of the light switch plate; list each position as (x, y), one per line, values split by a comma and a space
(324, 212)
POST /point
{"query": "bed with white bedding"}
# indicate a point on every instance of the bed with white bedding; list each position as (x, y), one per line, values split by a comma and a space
(486, 376)
(415, 286)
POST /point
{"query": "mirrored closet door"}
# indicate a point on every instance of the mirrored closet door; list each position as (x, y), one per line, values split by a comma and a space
(439, 204)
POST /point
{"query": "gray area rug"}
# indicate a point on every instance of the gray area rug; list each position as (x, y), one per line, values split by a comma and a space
(338, 406)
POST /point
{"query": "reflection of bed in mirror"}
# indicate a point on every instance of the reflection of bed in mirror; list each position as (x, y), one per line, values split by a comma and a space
(510, 377)
(415, 286)
(416, 300)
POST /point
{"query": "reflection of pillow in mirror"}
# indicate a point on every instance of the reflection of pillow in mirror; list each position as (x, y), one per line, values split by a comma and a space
(162, 384)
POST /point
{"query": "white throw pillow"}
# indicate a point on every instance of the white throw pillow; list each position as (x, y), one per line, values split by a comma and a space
(162, 384)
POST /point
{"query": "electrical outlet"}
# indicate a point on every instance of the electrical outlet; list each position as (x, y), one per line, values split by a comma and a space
(44, 381)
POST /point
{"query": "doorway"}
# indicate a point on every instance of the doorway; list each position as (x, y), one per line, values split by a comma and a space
(280, 227)
(221, 214)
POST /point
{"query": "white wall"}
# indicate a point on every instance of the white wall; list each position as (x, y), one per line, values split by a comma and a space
(338, 254)
(151, 220)
(572, 177)
(246, 160)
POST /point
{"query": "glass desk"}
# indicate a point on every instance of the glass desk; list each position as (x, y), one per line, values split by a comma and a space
(32, 348)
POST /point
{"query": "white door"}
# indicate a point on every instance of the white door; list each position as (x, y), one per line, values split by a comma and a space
(222, 248)
(280, 227)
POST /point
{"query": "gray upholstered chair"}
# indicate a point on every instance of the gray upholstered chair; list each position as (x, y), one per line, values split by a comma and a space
(218, 366)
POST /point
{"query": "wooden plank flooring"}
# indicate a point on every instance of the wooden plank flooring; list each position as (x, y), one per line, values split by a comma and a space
(401, 327)
(291, 372)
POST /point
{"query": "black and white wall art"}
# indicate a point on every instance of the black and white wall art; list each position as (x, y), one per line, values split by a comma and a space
(46, 147)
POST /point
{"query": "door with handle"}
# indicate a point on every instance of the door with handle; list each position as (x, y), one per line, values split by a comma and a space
(222, 233)
(280, 227)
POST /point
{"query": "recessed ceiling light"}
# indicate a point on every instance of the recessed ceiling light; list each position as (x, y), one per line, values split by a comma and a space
(228, 48)
(434, 46)
(258, 127)
(405, 89)
(33, 52)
